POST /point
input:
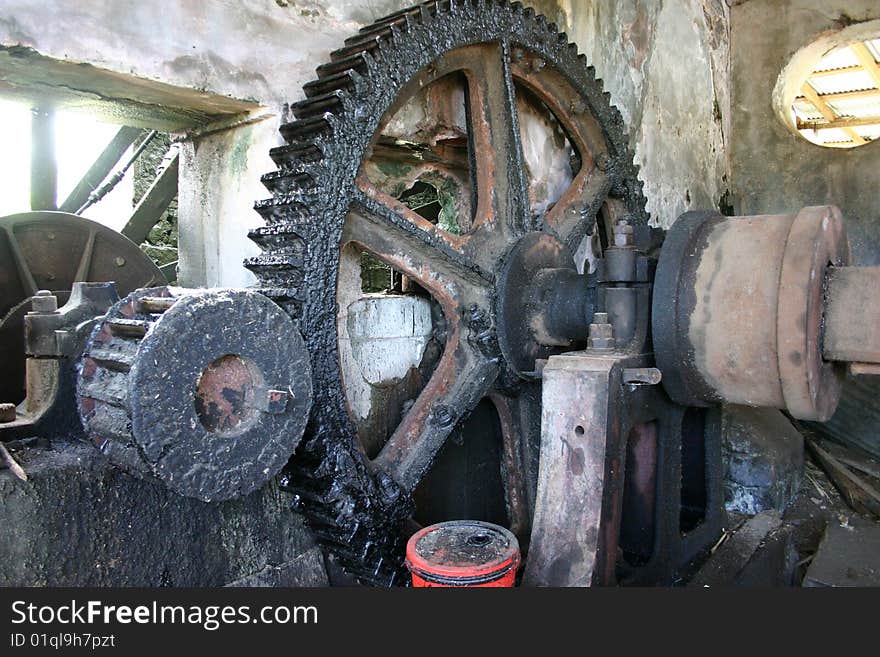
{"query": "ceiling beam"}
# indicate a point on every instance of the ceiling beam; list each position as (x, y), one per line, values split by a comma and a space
(854, 122)
(836, 71)
(826, 111)
(866, 61)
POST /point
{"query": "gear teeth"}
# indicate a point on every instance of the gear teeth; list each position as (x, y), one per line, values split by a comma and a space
(356, 62)
(285, 181)
(290, 299)
(360, 46)
(370, 32)
(344, 81)
(395, 17)
(304, 130)
(318, 105)
(282, 210)
(276, 270)
(296, 154)
(282, 238)
(113, 360)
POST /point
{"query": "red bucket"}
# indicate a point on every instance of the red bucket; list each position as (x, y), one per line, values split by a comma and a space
(463, 553)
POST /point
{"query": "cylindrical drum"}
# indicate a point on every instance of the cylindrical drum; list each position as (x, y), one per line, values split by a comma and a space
(463, 553)
(738, 310)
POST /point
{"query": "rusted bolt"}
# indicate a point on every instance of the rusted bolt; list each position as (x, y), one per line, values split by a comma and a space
(577, 106)
(7, 412)
(537, 64)
(44, 302)
(442, 417)
(601, 336)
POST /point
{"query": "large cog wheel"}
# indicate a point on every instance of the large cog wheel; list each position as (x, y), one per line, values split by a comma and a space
(322, 199)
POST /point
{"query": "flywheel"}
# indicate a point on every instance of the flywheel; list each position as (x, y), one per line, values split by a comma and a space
(467, 147)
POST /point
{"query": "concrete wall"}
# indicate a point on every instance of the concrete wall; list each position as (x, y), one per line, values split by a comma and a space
(773, 169)
(664, 63)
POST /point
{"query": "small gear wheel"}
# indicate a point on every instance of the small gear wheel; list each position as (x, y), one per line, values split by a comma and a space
(206, 390)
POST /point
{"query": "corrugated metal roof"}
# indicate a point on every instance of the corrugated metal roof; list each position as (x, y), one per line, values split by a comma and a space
(840, 101)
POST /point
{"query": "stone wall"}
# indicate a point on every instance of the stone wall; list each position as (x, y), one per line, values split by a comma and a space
(78, 521)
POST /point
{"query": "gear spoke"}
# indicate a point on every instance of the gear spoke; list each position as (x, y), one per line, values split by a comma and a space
(572, 216)
(502, 189)
(462, 378)
(384, 228)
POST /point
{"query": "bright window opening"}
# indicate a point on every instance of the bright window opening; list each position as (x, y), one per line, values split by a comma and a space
(838, 103)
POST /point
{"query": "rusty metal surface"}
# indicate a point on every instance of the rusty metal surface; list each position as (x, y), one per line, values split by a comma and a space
(738, 310)
(564, 547)
(51, 251)
(213, 416)
(54, 338)
(810, 385)
(629, 486)
(223, 391)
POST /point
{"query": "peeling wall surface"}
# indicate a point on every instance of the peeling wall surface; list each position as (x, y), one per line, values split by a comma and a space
(664, 63)
(773, 169)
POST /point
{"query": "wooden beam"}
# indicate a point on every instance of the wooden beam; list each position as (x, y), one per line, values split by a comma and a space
(853, 122)
(848, 95)
(153, 203)
(866, 61)
(101, 167)
(826, 111)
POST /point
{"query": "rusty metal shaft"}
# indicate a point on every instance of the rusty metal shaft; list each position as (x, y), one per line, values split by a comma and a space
(852, 318)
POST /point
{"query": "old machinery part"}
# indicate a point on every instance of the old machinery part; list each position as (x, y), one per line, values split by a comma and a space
(52, 251)
(630, 484)
(54, 338)
(324, 200)
(762, 311)
(206, 390)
